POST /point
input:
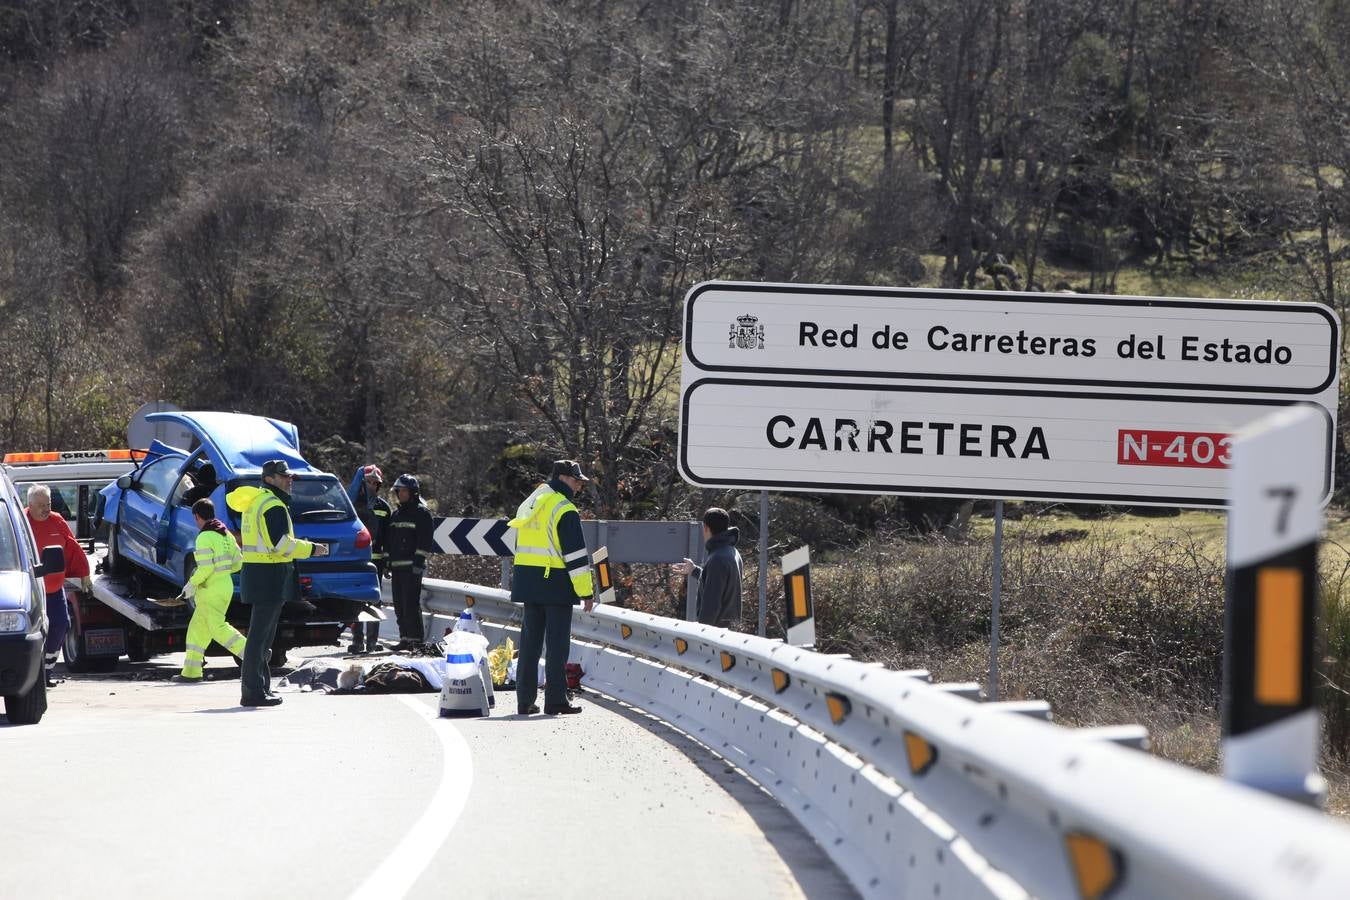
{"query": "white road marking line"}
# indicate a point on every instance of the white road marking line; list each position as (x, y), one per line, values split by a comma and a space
(404, 865)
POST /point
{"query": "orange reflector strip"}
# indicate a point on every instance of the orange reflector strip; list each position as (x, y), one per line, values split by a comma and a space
(797, 588)
(780, 681)
(839, 707)
(681, 645)
(727, 661)
(1279, 634)
(921, 754)
(626, 631)
(1096, 867)
(604, 576)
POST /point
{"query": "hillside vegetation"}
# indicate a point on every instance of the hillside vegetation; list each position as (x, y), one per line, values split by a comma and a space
(454, 236)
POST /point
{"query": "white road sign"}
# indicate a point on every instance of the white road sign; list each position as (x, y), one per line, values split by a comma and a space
(990, 394)
(968, 441)
(1135, 343)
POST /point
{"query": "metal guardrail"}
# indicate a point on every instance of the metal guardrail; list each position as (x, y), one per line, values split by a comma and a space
(915, 789)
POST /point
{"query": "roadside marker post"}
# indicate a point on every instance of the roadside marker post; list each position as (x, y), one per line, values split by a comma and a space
(1271, 723)
(604, 579)
(800, 620)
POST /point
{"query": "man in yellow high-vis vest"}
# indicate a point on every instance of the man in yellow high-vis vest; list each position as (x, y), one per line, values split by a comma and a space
(210, 586)
(269, 577)
(552, 573)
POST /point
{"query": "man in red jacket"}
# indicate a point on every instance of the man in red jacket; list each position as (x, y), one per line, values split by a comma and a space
(51, 530)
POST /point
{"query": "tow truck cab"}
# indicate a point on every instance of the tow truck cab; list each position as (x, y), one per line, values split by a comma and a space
(75, 478)
(23, 610)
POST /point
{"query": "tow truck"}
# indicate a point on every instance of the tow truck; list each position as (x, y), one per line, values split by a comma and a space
(130, 611)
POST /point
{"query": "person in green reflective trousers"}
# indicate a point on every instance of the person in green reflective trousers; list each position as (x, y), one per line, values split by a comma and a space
(211, 586)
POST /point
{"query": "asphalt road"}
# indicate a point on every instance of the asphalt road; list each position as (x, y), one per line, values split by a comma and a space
(135, 787)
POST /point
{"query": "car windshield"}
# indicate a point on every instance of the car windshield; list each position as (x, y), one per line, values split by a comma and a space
(9, 548)
(317, 498)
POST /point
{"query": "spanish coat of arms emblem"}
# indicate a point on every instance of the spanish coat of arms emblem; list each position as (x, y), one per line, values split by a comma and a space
(746, 334)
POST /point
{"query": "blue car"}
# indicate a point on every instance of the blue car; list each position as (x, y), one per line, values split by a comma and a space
(23, 610)
(149, 517)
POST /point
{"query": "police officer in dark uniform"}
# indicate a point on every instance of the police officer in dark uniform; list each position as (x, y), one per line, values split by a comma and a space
(408, 542)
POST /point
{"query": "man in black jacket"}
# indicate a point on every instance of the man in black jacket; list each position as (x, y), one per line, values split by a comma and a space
(373, 511)
(719, 578)
(408, 543)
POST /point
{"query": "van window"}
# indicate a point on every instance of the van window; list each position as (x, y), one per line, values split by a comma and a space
(9, 542)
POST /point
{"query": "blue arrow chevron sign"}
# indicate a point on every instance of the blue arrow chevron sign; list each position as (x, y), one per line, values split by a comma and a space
(474, 537)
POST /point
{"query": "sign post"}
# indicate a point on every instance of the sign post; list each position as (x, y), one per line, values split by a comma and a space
(1270, 717)
(763, 563)
(997, 600)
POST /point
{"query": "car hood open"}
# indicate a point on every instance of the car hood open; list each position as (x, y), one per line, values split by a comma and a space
(238, 444)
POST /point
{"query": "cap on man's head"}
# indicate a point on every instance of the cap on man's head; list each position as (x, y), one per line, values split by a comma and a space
(373, 473)
(568, 467)
(275, 467)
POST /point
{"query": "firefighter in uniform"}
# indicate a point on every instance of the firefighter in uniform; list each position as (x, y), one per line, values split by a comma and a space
(552, 573)
(408, 543)
(269, 577)
(211, 586)
(373, 511)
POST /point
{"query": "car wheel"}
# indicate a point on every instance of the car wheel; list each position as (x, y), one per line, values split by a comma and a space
(27, 709)
(116, 562)
(78, 661)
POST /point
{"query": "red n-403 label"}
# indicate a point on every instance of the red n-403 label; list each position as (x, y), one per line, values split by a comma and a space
(1196, 449)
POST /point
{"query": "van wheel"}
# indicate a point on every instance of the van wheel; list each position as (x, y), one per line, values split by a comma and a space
(115, 563)
(27, 709)
(78, 661)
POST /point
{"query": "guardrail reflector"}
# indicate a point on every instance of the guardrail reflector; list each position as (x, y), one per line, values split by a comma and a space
(626, 631)
(839, 707)
(921, 754)
(780, 681)
(1096, 867)
(728, 661)
(681, 645)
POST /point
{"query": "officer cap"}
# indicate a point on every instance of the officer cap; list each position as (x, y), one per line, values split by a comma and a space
(275, 467)
(568, 467)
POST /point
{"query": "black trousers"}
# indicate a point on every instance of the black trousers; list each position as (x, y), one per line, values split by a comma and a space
(407, 589)
(546, 626)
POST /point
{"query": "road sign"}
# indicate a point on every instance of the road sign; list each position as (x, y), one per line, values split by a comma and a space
(474, 537)
(990, 394)
(1138, 344)
(969, 442)
(1270, 716)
